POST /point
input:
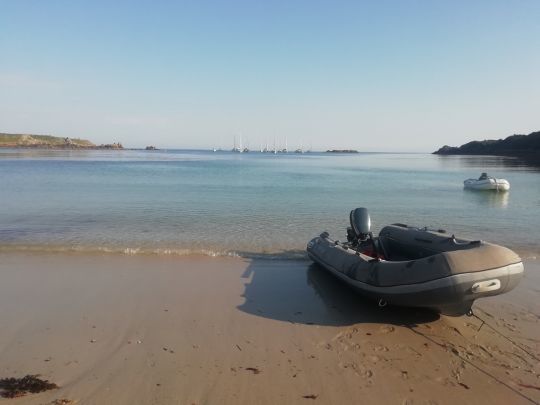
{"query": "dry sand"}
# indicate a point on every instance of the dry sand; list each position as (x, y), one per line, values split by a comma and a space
(167, 330)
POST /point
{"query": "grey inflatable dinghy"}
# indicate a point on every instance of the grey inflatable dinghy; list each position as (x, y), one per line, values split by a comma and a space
(416, 267)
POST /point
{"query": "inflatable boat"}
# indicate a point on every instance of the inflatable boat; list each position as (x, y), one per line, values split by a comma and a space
(417, 267)
(485, 182)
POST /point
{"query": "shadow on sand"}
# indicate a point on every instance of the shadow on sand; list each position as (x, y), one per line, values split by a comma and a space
(299, 291)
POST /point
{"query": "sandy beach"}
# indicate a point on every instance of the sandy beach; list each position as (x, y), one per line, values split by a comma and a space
(115, 329)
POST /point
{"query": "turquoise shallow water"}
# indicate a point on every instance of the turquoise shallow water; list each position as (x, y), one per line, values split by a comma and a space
(189, 202)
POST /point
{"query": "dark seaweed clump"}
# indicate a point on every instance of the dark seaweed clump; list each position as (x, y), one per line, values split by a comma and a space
(17, 387)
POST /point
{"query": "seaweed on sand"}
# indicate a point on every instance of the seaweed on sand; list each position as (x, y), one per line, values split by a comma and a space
(17, 387)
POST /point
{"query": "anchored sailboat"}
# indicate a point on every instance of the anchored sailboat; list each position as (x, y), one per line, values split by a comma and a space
(236, 148)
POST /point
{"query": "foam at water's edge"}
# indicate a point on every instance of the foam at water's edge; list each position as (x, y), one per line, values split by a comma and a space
(526, 255)
(141, 251)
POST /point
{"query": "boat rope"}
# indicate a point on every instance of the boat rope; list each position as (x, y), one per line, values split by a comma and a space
(503, 336)
(471, 363)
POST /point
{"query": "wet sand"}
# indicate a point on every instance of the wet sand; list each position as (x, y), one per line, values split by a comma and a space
(118, 329)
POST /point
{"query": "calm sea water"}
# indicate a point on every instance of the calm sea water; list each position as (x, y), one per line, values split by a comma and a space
(193, 202)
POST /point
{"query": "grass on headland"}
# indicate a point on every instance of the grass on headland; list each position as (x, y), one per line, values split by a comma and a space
(44, 140)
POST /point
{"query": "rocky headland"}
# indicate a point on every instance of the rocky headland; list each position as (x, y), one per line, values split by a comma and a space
(514, 145)
(341, 151)
(50, 142)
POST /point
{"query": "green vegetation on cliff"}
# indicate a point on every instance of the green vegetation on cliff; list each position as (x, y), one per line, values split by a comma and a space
(48, 141)
(514, 145)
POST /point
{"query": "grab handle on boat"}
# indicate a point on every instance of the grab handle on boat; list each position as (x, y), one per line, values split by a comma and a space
(471, 242)
(485, 286)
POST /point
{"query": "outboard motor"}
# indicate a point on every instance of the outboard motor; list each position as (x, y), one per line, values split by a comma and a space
(360, 229)
(360, 223)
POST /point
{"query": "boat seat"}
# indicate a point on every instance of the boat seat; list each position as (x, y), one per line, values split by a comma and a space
(389, 251)
(412, 243)
(402, 251)
(382, 249)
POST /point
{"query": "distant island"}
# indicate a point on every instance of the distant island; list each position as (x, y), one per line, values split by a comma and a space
(341, 151)
(515, 145)
(50, 142)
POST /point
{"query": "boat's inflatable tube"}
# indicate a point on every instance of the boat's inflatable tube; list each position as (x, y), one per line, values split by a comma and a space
(487, 183)
(422, 268)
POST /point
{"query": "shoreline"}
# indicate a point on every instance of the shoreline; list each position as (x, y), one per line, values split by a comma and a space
(210, 253)
(230, 330)
(525, 252)
(63, 148)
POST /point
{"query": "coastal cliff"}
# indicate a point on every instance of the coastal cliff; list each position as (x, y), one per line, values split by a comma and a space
(50, 142)
(514, 145)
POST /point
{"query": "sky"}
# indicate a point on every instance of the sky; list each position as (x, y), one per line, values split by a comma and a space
(403, 76)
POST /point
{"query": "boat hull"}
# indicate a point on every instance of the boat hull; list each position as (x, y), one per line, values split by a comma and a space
(452, 295)
(487, 184)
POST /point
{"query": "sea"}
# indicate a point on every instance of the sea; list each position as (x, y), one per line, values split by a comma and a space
(196, 202)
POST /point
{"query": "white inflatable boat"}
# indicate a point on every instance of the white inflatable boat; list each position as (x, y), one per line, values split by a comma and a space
(485, 182)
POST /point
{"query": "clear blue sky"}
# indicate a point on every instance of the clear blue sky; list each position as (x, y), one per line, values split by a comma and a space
(381, 75)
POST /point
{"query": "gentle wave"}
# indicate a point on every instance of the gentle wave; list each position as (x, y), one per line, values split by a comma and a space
(147, 251)
(183, 252)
